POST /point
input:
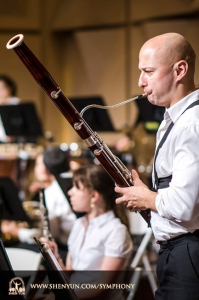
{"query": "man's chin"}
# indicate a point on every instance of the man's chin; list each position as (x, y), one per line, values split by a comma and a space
(151, 100)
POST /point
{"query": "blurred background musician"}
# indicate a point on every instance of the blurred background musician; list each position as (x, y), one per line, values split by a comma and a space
(8, 91)
(57, 163)
(17, 151)
(60, 215)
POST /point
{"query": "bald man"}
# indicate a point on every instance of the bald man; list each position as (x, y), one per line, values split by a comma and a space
(167, 65)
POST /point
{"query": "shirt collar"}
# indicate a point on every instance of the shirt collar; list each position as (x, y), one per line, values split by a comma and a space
(175, 111)
(100, 220)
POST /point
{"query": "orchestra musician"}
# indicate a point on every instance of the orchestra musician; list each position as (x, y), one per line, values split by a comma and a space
(60, 215)
(8, 91)
(167, 65)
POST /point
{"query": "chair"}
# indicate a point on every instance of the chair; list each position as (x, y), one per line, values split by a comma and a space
(25, 261)
(139, 227)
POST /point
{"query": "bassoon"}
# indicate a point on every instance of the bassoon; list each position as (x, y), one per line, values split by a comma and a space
(111, 163)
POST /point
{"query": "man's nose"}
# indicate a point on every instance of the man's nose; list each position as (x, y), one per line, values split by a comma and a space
(142, 81)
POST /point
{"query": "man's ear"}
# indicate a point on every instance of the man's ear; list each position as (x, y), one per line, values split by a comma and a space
(181, 68)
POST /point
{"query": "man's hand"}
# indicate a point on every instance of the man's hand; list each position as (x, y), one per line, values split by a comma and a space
(137, 197)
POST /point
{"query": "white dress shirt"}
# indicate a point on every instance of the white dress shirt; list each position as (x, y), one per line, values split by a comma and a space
(105, 235)
(178, 205)
(60, 214)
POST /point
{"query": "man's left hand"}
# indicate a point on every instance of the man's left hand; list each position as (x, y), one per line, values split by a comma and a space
(137, 197)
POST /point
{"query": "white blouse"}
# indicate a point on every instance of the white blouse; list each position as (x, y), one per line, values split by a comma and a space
(105, 235)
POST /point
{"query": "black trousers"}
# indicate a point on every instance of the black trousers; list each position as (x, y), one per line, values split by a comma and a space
(178, 268)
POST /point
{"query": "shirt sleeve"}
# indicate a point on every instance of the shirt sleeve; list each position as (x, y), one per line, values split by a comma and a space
(118, 242)
(26, 235)
(180, 201)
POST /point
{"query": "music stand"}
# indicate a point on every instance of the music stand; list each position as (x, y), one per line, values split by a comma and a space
(21, 120)
(55, 272)
(7, 274)
(97, 119)
(151, 115)
(11, 206)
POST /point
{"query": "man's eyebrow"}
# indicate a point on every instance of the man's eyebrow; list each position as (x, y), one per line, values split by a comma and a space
(146, 68)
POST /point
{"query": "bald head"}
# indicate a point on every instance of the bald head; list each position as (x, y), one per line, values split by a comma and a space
(170, 48)
(167, 65)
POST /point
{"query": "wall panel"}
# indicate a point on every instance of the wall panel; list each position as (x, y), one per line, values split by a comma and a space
(94, 64)
(20, 15)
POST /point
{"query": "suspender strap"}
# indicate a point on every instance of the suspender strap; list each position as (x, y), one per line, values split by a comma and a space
(157, 151)
(164, 182)
(159, 182)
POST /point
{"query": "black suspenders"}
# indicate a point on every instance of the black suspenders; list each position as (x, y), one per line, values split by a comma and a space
(164, 182)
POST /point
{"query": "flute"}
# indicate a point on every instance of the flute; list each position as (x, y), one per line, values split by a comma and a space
(115, 168)
(45, 220)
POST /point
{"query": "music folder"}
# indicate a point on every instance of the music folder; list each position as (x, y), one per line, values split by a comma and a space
(21, 120)
(55, 272)
(7, 274)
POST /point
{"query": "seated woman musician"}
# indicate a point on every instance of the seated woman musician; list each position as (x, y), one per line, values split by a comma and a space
(8, 91)
(99, 240)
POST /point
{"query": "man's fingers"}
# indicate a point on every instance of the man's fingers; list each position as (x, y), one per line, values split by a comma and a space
(129, 204)
(121, 200)
(119, 190)
(135, 175)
